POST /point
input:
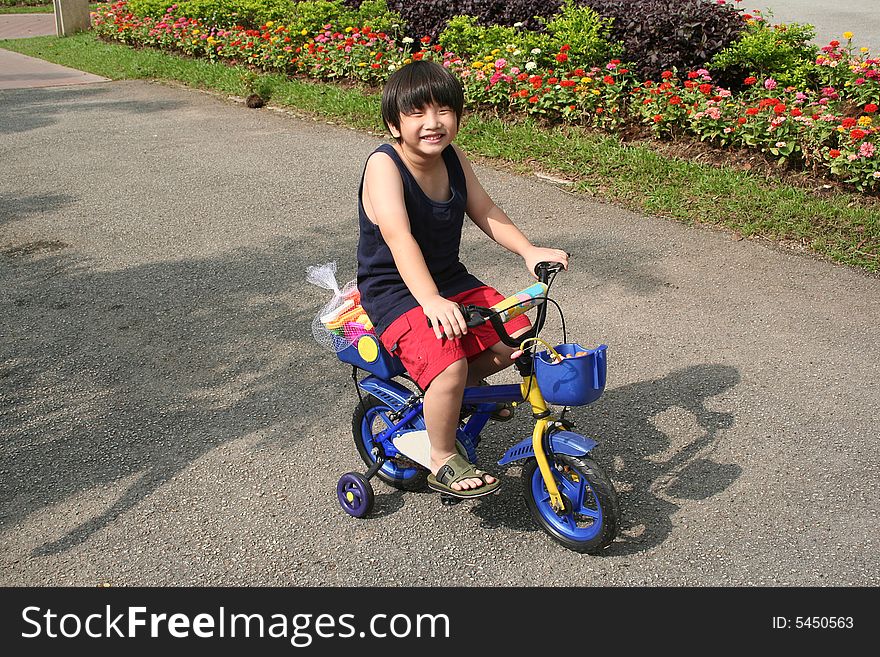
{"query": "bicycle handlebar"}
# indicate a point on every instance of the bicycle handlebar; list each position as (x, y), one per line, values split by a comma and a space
(478, 315)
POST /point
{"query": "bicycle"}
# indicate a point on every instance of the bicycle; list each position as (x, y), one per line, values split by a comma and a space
(567, 492)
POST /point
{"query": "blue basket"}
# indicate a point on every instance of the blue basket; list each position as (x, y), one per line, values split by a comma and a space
(576, 380)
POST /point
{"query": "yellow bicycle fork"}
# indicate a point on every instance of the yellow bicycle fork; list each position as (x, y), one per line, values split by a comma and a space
(532, 394)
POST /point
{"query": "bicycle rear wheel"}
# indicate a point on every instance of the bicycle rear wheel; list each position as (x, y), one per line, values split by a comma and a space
(371, 419)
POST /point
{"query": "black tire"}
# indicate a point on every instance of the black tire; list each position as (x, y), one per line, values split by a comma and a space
(593, 525)
(395, 473)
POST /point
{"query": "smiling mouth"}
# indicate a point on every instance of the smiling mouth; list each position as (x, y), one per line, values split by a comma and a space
(432, 138)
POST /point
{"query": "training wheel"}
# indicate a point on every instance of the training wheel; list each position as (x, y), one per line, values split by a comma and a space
(355, 494)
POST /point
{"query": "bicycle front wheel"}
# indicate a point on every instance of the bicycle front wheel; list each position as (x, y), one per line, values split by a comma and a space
(589, 522)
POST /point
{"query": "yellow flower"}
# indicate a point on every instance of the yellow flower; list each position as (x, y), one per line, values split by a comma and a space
(407, 61)
(195, 31)
(586, 80)
(865, 120)
(348, 29)
(362, 64)
(495, 52)
(212, 40)
(596, 92)
(304, 31)
(847, 35)
(863, 49)
(270, 23)
(478, 64)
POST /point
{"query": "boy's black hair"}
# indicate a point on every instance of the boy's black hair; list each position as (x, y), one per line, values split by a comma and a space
(416, 85)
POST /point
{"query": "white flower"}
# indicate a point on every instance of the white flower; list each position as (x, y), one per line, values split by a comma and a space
(408, 39)
(876, 174)
(518, 24)
(536, 51)
(531, 66)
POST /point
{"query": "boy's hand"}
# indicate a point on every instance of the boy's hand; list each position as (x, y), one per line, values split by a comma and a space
(538, 254)
(445, 317)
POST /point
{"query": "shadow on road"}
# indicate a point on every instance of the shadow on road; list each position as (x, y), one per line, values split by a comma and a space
(656, 440)
(39, 108)
(136, 373)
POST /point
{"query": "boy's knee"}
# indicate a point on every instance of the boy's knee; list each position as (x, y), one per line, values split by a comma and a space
(454, 373)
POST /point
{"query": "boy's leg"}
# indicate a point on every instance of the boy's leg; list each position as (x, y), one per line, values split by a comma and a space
(491, 361)
(442, 408)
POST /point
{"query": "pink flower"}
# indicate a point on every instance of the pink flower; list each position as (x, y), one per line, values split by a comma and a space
(770, 84)
(500, 63)
(867, 149)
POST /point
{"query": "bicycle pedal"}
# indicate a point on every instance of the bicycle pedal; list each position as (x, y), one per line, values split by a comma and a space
(449, 500)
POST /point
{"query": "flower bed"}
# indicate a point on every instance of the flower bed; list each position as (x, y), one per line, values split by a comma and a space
(830, 129)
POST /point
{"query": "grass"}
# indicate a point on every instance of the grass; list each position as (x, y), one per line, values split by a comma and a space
(841, 226)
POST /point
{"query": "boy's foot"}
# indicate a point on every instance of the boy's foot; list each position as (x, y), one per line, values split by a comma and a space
(459, 478)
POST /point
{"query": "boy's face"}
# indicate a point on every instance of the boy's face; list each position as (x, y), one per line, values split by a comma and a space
(427, 130)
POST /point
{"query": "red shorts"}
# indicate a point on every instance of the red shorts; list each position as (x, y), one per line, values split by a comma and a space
(424, 356)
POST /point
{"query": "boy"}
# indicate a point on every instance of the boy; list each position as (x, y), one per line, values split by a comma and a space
(412, 202)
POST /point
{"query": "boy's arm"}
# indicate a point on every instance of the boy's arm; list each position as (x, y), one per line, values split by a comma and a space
(384, 189)
(493, 221)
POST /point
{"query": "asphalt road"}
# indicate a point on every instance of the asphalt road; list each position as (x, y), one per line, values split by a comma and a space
(168, 419)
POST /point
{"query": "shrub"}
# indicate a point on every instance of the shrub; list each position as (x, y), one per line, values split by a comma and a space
(680, 34)
(464, 37)
(430, 17)
(226, 13)
(782, 52)
(585, 32)
(312, 15)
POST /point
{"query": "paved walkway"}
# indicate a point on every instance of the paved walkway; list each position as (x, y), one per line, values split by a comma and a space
(23, 72)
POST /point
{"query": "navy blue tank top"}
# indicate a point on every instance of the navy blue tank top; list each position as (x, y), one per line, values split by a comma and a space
(436, 227)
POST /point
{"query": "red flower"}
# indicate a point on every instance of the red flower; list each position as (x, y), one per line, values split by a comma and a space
(533, 99)
(608, 79)
(796, 112)
(522, 76)
(658, 118)
(425, 39)
(741, 120)
(834, 43)
(706, 89)
(418, 55)
(848, 122)
(779, 109)
(675, 100)
(666, 75)
(752, 111)
(568, 83)
(689, 84)
(870, 108)
(750, 80)
(692, 75)
(561, 57)
(857, 134)
(834, 152)
(565, 48)
(552, 80)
